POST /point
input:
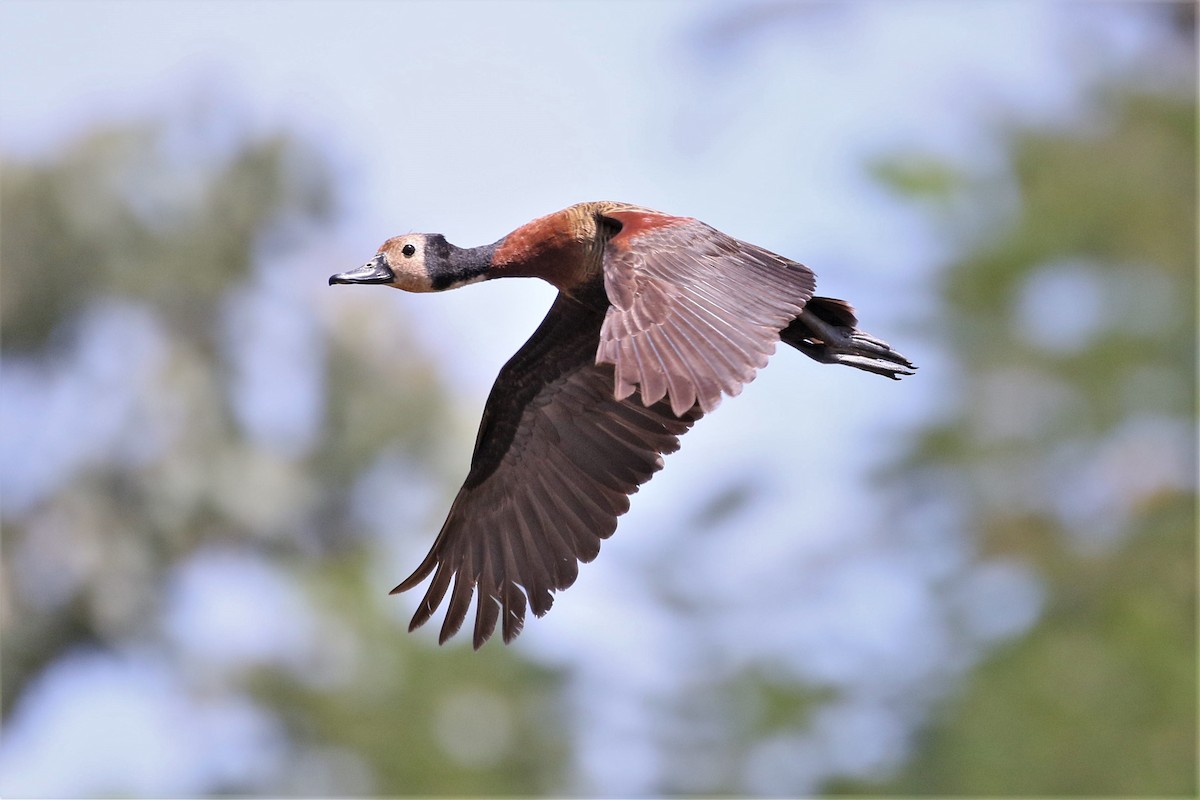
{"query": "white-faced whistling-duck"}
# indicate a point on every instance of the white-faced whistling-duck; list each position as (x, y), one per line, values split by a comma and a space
(656, 318)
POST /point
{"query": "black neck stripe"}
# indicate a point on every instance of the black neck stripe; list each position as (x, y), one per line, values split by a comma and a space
(448, 265)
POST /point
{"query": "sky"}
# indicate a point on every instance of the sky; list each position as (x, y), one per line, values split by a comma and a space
(471, 118)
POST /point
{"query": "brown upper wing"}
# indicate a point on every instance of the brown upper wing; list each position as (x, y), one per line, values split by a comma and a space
(695, 313)
(555, 461)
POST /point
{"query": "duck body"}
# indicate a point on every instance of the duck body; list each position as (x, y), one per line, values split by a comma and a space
(657, 318)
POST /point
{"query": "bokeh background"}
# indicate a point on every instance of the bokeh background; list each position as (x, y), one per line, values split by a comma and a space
(979, 580)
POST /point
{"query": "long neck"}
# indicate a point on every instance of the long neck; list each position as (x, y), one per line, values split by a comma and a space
(554, 248)
(450, 266)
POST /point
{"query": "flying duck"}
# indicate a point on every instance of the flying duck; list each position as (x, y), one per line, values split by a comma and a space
(657, 317)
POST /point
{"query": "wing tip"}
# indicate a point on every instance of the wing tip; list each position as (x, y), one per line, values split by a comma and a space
(449, 628)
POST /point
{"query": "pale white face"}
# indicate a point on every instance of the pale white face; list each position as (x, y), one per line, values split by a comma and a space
(405, 257)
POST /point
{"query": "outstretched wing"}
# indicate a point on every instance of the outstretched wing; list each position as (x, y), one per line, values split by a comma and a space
(555, 461)
(695, 313)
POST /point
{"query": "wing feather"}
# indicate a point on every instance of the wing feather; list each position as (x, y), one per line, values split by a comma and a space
(460, 599)
(695, 313)
(433, 596)
(538, 548)
(512, 600)
(557, 456)
(487, 610)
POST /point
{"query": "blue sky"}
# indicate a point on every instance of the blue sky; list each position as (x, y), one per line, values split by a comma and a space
(470, 118)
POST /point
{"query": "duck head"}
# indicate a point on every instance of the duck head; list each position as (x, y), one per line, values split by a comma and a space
(401, 263)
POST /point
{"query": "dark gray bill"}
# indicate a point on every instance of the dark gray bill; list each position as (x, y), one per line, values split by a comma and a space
(374, 271)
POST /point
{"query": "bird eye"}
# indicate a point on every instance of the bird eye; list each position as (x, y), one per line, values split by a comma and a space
(408, 249)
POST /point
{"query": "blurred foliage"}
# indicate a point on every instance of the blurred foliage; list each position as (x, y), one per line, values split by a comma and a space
(160, 231)
(1100, 699)
(919, 176)
(133, 212)
(1069, 443)
(1066, 442)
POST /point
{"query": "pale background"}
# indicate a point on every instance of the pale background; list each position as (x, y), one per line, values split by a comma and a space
(469, 119)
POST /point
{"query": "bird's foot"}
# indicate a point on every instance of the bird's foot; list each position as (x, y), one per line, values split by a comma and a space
(863, 351)
(839, 344)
